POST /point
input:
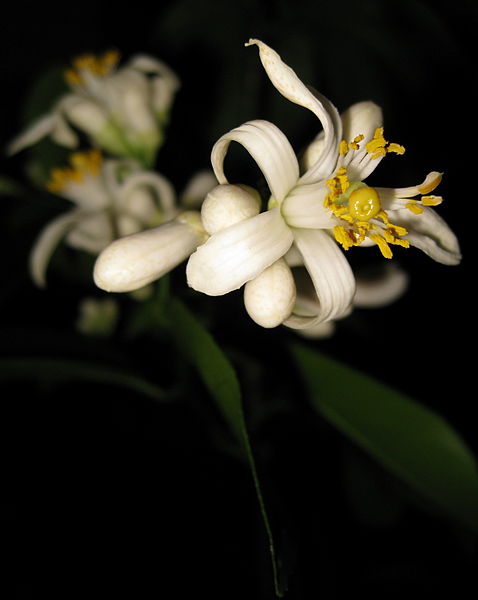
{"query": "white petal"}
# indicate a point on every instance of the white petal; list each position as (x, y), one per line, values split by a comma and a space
(269, 298)
(271, 150)
(378, 291)
(239, 253)
(362, 118)
(286, 81)
(319, 331)
(164, 190)
(228, 204)
(131, 262)
(330, 273)
(148, 64)
(47, 241)
(35, 132)
(430, 233)
(93, 232)
(304, 207)
(164, 83)
(88, 115)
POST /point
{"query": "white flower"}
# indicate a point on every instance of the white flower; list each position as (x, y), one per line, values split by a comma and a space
(307, 211)
(112, 198)
(122, 110)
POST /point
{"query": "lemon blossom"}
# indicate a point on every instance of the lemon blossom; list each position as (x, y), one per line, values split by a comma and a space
(122, 110)
(311, 216)
(111, 198)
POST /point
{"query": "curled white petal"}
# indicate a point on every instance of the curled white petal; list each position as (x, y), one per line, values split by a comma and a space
(166, 196)
(270, 149)
(228, 204)
(381, 290)
(286, 81)
(164, 84)
(235, 255)
(134, 261)
(47, 241)
(269, 298)
(304, 207)
(331, 276)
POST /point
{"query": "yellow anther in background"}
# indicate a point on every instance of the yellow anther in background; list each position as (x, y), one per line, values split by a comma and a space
(364, 203)
(100, 66)
(82, 163)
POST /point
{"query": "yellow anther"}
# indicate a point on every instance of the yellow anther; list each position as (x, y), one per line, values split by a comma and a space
(364, 203)
(397, 148)
(378, 146)
(343, 148)
(382, 244)
(430, 183)
(413, 207)
(354, 145)
(431, 200)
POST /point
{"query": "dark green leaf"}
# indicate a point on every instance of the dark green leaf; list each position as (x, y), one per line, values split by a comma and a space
(410, 440)
(220, 378)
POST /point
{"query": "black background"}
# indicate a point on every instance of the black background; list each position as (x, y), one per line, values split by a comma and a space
(109, 495)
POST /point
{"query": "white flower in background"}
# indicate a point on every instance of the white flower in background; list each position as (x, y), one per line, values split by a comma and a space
(134, 261)
(310, 215)
(112, 198)
(122, 110)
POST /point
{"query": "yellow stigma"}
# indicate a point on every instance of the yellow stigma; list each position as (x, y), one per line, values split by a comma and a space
(100, 66)
(82, 164)
(364, 203)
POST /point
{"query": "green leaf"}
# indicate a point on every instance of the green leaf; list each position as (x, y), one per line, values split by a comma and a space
(61, 370)
(408, 439)
(220, 379)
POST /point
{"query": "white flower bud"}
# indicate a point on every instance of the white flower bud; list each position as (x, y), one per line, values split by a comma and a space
(228, 204)
(134, 261)
(270, 297)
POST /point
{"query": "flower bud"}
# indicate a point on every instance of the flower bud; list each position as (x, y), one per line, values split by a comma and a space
(134, 261)
(228, 204)
(270, 297)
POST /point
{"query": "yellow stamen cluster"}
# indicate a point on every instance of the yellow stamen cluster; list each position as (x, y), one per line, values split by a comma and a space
(82, 164)
(96, 65)
(361, 211)
(378, 146)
